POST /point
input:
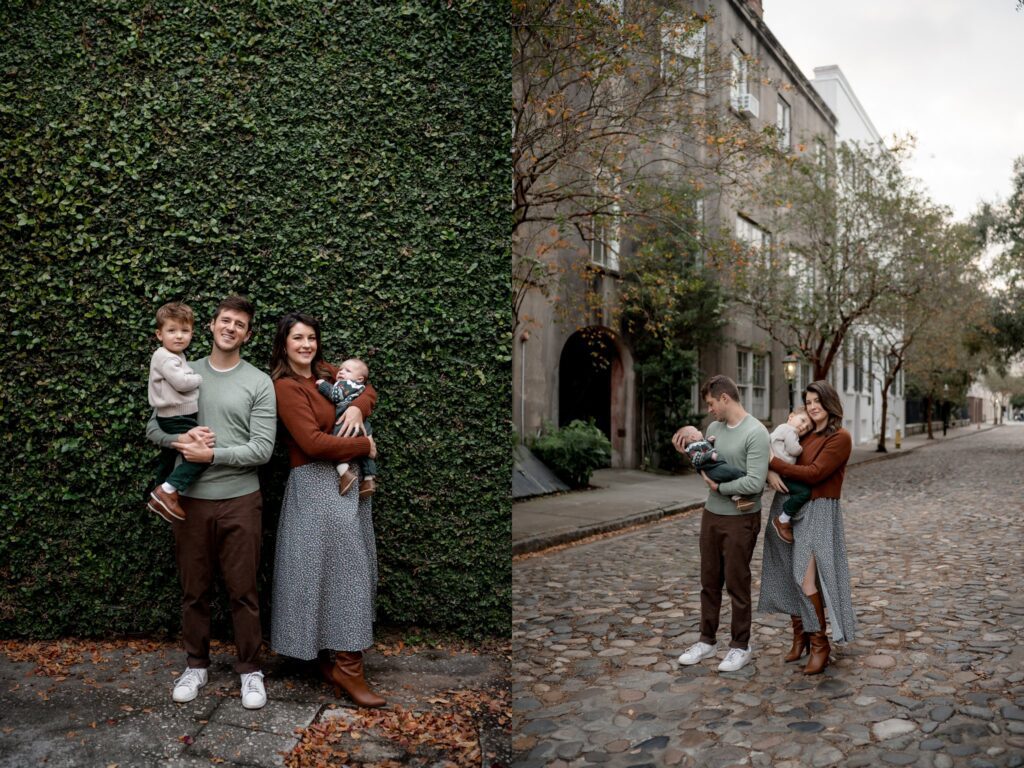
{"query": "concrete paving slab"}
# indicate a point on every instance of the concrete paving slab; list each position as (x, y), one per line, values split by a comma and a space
(119, 710)
(242, 745)
(282, 718)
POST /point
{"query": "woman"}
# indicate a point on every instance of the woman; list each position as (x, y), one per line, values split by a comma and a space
(803, 577)
(325, 566)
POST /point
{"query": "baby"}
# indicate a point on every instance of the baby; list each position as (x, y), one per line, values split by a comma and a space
(786, 447)
(705, 459)
(174, 393)
(348, 385)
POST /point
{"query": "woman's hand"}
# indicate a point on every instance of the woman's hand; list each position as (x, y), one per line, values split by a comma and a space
(351, 422)
(775, 481)
(373, 448)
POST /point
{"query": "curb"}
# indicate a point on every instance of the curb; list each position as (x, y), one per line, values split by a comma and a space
(896, 453)
(536, 544)
(547, 541)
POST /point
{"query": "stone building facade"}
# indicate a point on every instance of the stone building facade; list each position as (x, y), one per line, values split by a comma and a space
(569, 358)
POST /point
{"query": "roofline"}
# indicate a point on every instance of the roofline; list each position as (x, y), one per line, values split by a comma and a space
(825, 73)
(769, 39)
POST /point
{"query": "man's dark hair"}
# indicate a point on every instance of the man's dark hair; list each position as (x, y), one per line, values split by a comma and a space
(719, 385)
(238, 304)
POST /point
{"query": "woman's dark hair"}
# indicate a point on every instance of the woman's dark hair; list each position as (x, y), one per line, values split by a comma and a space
(279, 365)
(829, 399)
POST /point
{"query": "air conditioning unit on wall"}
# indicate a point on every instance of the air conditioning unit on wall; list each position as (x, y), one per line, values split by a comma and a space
(747, 105)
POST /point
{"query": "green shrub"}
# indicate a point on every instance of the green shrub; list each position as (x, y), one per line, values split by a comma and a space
(574, 451)
(346, 159)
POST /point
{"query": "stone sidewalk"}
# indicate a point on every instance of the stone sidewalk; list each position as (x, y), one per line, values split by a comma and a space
(625, 497)
(933, 679)
(115, 709)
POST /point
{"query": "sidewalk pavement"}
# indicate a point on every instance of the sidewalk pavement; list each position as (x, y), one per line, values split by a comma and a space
(621, 498)
(80, 703)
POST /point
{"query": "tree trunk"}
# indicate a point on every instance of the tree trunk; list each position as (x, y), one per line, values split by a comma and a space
(928, 417)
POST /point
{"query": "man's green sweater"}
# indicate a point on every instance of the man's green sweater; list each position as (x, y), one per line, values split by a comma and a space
(746, 447)
(240, 407)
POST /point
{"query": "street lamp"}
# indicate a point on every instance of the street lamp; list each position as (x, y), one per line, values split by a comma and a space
(789, 367)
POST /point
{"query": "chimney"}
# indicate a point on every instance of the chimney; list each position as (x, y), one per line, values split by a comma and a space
(757, 7)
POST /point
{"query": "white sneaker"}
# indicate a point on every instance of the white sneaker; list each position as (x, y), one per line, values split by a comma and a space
(735, 659)
(254, 695)
(187, 686)
(697, 653)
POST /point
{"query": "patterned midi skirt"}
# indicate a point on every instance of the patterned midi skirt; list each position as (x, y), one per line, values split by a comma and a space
(819, 532)
(325, 566)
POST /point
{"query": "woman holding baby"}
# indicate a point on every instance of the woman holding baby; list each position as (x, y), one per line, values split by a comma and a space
(806, 573)
(325, 566)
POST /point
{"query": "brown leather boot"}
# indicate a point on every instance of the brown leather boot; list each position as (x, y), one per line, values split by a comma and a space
(801, 640)
(346, 674)
(820, 648)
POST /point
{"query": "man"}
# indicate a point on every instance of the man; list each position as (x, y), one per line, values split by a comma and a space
(223, 508)
(728, 535)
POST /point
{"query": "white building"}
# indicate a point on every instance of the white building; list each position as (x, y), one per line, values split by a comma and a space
(859, 369)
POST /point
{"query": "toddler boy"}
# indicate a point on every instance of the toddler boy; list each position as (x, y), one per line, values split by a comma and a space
(785, 442)
(174, 393)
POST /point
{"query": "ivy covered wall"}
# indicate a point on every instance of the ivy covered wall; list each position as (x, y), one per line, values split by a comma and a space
(347, 159)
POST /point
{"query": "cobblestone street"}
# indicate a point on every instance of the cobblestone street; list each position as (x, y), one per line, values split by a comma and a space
(934, 678)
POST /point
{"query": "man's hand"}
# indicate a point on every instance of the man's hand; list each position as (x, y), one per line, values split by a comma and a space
(203, 435)
(677, 440)
(351, 422)
(373, 447)
(775, 481)
(711, 483)
(195, 451)
(320, 381)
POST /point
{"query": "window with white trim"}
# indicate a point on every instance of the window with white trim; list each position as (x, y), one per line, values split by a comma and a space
(753, 236)
(698, 232)
(683, 49)
(604, 244)
(870, 354)
(803, 379)
(783, 124)
(846, 365)
(759, 388)
(604, 247)
(858, 364)
(743, 375)
(752, 381)
(740, 82)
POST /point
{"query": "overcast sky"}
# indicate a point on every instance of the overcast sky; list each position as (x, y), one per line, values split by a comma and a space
(949, 71)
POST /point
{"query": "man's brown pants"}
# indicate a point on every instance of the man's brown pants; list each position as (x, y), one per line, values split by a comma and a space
(726, 546)
(225, 532)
